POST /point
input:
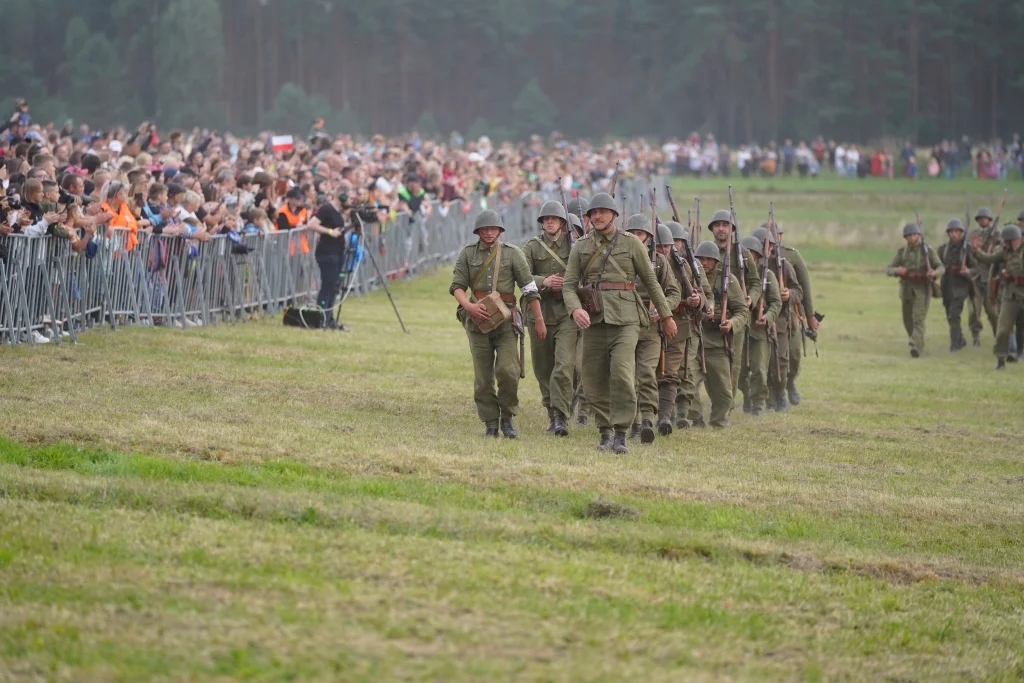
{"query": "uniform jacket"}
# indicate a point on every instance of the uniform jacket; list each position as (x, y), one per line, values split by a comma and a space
(738, 312)
(542, 264)
(917, 265)
(1009, 268)
(513, 271)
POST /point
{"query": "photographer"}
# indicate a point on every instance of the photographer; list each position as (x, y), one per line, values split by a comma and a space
(329, 222)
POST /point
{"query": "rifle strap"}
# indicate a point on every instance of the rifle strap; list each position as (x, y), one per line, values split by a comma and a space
(604, 263)
(553, 254)
(495, 254)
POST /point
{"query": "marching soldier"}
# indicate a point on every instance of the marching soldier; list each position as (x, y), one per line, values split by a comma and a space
(978, 274)
(989, 239)
(688, 395)
(722, 227)
(602, 268)
(577, 208)
(957, 261)
(915, 266)
(802, 312)
(648, 348)
(554, 358)
(1008, 260)
(790, 292)
(488, 266)
(761, 331)
(718, 358)
(682, 355)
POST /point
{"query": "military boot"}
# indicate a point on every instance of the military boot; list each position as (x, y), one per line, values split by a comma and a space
(619, 443)
(699, 423)
(606, 442)
(781, 405)
(977, 339)
(794, 395)
(664, 426)
(558, 421)
(581, 419)
(756, 412)
(666, 410)
(635, 433)
(747, 405)
(914, 353)
(551, 420)
(1001, 364)
(647, 432)
(508, 429)
(491, 431)
(1011, 358)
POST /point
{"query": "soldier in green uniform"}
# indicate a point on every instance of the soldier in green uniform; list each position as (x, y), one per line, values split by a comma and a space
(718, 375)
(802, 313)
(989, 239)
(1020, 219)
(957, 260)
(722, 227)
(610, 261)
(915, 266)
(762, 330)
(478, 272)
(790, 293)
(648, 347)
(578, 207)
(554, 358)
(682, 356)
(1008, 260)
(978, 274)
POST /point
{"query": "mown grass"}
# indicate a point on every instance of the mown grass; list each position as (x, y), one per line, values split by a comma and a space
(258, 502)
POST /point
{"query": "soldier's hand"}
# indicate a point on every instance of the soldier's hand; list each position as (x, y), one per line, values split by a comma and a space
(655, 316)
(785, 294)
(693, 301)
(726, 327)
(813, 322)
(900, 272)
(477, 312)
(541, 329)
(553, 282)
(709, 314)
(749, 301)
(670, 328)
(581, 318)
(761, 322)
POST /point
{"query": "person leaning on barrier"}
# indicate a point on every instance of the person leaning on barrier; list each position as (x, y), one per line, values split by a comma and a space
(484, 267)
(33, 220)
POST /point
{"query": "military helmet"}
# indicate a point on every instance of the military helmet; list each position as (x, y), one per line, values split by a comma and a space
(665, 236)
(722, 215)
(911, 229)
(488, 219)
(984, 212)
(1020, 216)
(753, 244)
(708, 249)
(954, 224)
(602, 200)
(678, 231)
(578, 205)
(638, 221)
(575, 220)
(1010, 232)
(551, 208)
(761, 233)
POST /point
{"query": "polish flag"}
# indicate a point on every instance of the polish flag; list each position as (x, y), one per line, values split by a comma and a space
(282, 143)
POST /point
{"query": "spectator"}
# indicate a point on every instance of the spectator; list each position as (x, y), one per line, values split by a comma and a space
(788, 157)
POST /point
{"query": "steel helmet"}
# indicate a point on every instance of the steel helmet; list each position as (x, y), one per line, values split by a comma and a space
(678, 231)
(753, 244)
(639, 222)
(761, 233)
(602, 200)
(1010, 232)
(708, 249)
(665, 236)
(551, 208)
(911, 229)
(1020, 216)
(722, 215)
(575, 220)
(954, 224)
(579, 206)
(984, 212)
(488, 219)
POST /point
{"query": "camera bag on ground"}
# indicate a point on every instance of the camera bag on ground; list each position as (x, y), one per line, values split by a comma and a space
(311, 318)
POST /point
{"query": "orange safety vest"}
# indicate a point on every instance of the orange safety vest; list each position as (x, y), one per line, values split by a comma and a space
(124, 219)
(294, 220)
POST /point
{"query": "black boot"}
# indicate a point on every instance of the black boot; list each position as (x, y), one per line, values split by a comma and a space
(635, 433)
(747, 406)
(581, 419)
(558, 422)
(914, 353)
(1001, 364)
(664, 426)
(794, 395)
(977, 339)
(606, 442)
(619, 443)
(647, 432)
(491, 431)
(781, 406)
(551, 420)
(508, 429)
(756, 412)
(1011, 358)
(699, 423)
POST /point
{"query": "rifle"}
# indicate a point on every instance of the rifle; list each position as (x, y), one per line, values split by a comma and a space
(654, 267)
(991, 240)
(615, 179)
(740, 262)
(725, 302)
(695, 239)
(570, 232)
(798, 316)
(924, 245)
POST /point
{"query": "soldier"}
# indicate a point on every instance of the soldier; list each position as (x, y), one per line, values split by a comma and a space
(578, 206)
(762, 330)
(487, 266)
(803, 312)
(722, 227)
(957, 260)
(682, 354)
(978, 274)
(554, 358)
(1009, 260)
(649, 343)
(915, 266)
(610, 261)
(717, 358)
(579, 398)
(989, 239)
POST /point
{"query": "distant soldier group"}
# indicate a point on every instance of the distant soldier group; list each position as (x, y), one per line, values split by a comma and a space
(628, 320)
(983, 270)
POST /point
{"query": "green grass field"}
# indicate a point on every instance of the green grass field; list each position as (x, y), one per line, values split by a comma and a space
(256, 502)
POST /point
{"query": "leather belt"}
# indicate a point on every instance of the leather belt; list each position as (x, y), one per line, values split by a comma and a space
(507, 298)
(1018, 280)
(616, 286)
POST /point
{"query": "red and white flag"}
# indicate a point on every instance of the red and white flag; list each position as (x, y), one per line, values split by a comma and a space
(282, 143)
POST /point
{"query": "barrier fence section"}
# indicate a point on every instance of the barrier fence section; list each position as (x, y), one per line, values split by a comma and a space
(48, 291)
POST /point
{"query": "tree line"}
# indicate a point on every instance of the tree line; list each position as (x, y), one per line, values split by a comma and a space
(742, 69)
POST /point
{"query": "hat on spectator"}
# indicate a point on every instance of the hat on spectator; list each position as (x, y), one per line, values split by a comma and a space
(115, 146)
(294, 193)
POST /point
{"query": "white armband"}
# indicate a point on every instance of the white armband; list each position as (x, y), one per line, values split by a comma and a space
(530, 288)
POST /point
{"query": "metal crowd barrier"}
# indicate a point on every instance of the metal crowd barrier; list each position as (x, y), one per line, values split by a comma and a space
(46, 288)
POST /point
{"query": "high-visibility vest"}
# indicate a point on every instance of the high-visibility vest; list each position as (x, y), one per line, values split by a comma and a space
(295, 220)
(124, 219)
